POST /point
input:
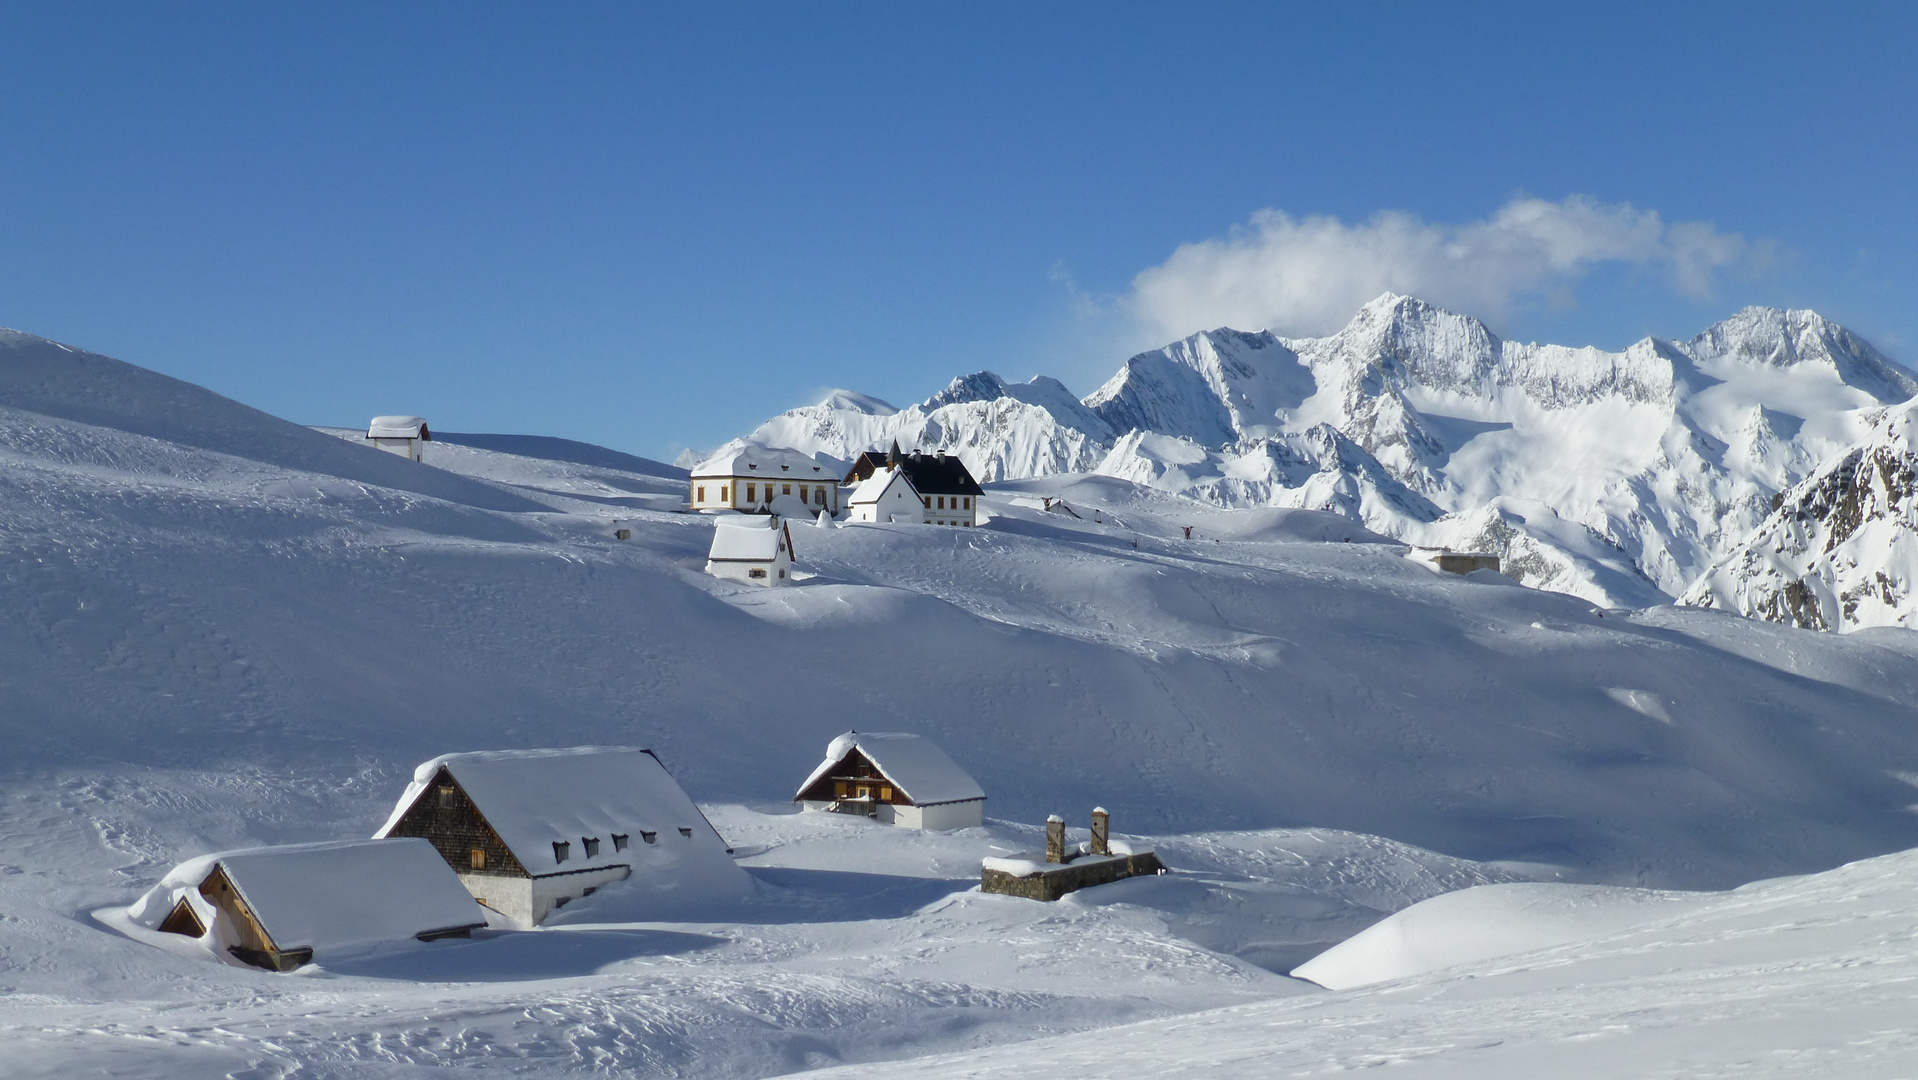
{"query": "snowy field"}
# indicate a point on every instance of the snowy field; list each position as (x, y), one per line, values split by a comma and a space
(223, 629)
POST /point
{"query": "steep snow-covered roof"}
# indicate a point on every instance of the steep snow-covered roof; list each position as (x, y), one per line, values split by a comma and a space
(873, 488)
(397, 427)
(914, 765)
(534, 798)
(328, 896)
(750, 461)
(749, 538)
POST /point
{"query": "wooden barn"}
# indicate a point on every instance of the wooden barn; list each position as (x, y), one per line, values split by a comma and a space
(527, 831)
(281, 907)
(894, 778)
(406, 436)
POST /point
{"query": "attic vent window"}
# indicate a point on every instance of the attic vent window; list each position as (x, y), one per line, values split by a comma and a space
(562, 850)
(649, 836)
(446, 795)
(476, 859)
(591, 844)
(685, 832)
(619, 841)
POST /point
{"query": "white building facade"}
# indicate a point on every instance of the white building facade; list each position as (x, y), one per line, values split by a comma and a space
(755, 549)
(749, 478)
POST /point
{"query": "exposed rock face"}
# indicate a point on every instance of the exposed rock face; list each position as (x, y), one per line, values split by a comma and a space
(1840, 549)
(1667, 452)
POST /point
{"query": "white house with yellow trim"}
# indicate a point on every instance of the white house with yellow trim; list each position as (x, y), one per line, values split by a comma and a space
(749, 478)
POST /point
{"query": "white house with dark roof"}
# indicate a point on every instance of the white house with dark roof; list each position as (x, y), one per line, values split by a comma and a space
(895, 778)
(928, 489)
(756, 549)
(529, 830)
(406, 436)
(749, 477)
(282, 907)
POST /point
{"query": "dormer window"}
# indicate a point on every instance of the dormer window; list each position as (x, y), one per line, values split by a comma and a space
(619, 841)
(591, 844)
(649, 836)
(685, 832)
(562, 850)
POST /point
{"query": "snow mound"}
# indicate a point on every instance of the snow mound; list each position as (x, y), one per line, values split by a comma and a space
(1481, 923)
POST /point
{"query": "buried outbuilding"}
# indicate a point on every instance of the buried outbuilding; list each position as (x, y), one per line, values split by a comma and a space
(529, 830)
(281, 907)
(1062, 868)
(895, 778)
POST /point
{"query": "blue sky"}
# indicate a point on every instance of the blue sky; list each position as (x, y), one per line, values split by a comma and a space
(651, 227)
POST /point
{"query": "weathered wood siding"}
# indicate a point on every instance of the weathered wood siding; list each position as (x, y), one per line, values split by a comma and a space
(853, 770)
(456, 829)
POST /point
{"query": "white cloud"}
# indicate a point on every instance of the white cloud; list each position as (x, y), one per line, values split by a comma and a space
(1307, 276)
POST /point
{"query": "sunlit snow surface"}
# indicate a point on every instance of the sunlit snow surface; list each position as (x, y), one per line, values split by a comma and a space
(231, 631)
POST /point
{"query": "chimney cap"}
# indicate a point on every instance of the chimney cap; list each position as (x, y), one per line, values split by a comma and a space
(1054, 817)
(1100, 810)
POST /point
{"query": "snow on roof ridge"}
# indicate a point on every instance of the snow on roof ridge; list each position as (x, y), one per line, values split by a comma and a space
(912, 763)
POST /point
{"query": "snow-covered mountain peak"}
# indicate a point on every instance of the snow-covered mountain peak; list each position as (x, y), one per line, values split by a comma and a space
(854, 401)
(1761, 338)
(1839, 550)
(1215, 387)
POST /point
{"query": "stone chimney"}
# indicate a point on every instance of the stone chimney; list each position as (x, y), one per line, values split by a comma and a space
(1101, 831)
(1055, 839)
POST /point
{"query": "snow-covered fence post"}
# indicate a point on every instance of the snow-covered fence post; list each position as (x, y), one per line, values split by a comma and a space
(1101, 829)
(1055, 839)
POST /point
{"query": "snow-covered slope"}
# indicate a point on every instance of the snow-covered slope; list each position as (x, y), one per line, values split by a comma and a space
(1791, 978)
(208, 650)
(1639, 468)
(1840, 550)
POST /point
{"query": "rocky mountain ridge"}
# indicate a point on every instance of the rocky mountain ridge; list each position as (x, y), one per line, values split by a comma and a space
(1627, 473)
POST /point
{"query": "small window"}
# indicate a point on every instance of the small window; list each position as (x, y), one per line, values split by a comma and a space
(756, 573)
(476, 859)
(699, 493)
(648, 835)
(885, 794)
(785, 489)
(942, 502)
(722, 493)
(928, 499)
(446, 796)
(968, 502)
(752, 492)
(619, 841)
(562, 850)
(839, 789)
(591, 844)
(685, 832)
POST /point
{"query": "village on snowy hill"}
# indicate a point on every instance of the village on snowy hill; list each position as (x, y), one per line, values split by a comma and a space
(1439, 684)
